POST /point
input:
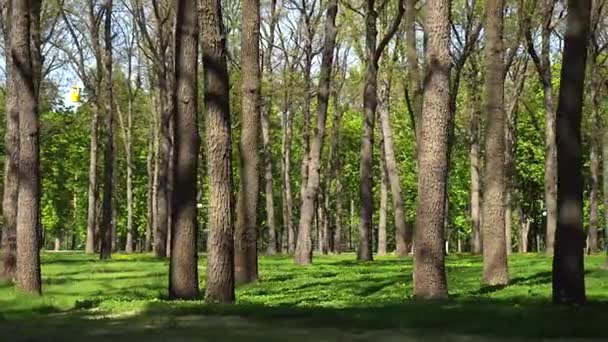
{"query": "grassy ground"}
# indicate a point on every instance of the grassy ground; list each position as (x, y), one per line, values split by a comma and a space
(335, 299)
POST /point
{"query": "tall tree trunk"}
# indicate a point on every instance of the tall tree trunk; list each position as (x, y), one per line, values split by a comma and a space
(11, 163)
(265, 119)
(245, 248)
(164, 156)
(150, 198)
(92, 194)
(494, 252)
(370, 102)
(403, 240)
(129, 246)
(415, 83)
(338, 232)
(594, 159)
(287, 197)
(183, 267)
(28, 256)
(220, 258)
(382, 248)
(568, 263)
(429, 266)
(303, 254)
(306, 13)
(544, 70)
(475, 159)
(109, 155)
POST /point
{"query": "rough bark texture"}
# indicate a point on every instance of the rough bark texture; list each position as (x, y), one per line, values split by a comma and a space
(183, 267)
(429, 260)
(475, 157)
(11, 164)
(594, 167)
(370, 102)
(220, 257)
(303, 254)
(568, 265)
(403, 240)
(493, 225)
(109, 155)
(28, 258)
(383, 203)
(245, 240)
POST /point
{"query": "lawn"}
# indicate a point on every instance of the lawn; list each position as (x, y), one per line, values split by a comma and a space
(335, 299)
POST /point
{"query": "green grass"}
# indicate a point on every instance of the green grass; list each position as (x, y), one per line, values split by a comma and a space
(335, 299)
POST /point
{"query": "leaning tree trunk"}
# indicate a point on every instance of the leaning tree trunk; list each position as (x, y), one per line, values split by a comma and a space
(11, 165)
(403, 240)
(433, 138)
(493, 225)
(245, 240)
(183, 267)
(304, 247)
(109, 155)
(568, 263)
(28, 257)
(220, 257)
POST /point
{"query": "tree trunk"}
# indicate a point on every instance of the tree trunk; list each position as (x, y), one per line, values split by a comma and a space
(568, 263)
(287, 197)
(370, 102)
(429, 266)
(475, 159)
(11, 164)
(265, 119)
(220, 257)
(383, 203)
(92, 194)
(109, 155)
(403, 240)
(150, 166)
(163, 154)
(28, 256)
(415, 83)
(245, 251)
(303, 254)
(338, 232)
(183, 267)
(494, 252)
(129, 246)
(592, 235)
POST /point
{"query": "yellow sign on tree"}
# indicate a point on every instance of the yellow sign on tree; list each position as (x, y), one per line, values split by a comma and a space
(75, 94)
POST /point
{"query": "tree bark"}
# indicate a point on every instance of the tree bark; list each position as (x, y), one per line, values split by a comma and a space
(568, 264)
(11, 163)
(605, 187)
(28, 257)
(303, 254)
(415, 83)
(429, 260)
(183, 267)
(592, 235)
(475, 159)
(220, 257)
(245, 248)
(382, 248)
(493, 225)
(287, 197)
(403, 240)
(150, 198)
(109, 155)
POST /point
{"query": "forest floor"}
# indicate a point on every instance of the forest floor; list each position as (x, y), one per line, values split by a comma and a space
(336, 299)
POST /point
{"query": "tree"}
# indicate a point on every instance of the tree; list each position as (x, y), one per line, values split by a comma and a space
(429, 264)
(28, 213)
(109, 155)
(183, 268)
(568, 263)
(303, 254)
(245, 241)
(493, 223)
(374, 52)
(268, 71)
(11, 164)
(220, 257)
(543, 68)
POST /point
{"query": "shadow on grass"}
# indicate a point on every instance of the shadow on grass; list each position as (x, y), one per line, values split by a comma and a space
(481, 320)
